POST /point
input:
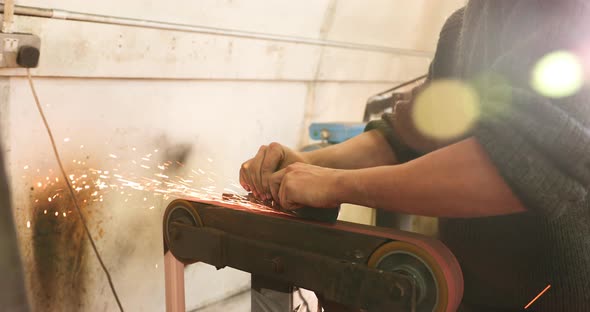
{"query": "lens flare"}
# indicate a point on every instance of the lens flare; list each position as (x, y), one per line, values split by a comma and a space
(558, 74)
(446, 109)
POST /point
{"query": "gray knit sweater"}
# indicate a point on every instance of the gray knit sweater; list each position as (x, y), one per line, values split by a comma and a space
(540, 146)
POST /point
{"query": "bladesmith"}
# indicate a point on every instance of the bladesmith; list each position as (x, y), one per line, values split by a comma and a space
(495, 143)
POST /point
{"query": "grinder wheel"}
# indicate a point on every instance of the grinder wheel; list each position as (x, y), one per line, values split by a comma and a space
(409, 259)
(180, 211)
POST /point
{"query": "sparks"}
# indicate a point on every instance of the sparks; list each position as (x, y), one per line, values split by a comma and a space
(67, 140)
(537, 297)
(156, 182)
(28, 224)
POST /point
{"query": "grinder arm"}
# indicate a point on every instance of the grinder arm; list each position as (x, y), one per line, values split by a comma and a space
(346, 263)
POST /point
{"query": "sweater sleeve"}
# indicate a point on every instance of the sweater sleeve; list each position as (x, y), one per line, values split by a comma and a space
(541, 146)
(536, 180)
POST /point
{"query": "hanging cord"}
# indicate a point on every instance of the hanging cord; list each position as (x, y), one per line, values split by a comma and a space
(71, 189)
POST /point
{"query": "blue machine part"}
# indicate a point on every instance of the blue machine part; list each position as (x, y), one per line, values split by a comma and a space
(335, 132)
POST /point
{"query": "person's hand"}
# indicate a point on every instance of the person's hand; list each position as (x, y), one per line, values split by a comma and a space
(256, 172)
(303, 185)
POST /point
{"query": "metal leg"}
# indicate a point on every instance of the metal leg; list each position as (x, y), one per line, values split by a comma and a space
(174, 278)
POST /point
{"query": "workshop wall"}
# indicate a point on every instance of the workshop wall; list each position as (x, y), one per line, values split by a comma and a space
(116, 94)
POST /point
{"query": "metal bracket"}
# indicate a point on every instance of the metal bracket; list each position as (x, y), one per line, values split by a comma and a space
(349, 283)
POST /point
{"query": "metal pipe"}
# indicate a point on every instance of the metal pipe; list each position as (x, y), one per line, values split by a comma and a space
(174, 283)
(123, 21)
(8, 16)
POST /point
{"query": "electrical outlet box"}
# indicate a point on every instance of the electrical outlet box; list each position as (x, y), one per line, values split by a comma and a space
(19, 50)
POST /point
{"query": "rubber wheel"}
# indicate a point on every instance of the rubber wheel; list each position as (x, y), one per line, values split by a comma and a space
(183, 212)
(409, 259)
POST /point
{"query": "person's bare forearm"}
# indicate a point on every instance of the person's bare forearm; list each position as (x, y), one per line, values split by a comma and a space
(456, 181)
(366, 150)
(369, 149)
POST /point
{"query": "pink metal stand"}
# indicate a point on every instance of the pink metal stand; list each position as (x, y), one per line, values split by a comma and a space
(174, 276)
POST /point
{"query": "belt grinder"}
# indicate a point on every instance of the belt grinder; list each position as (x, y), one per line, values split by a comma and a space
(376, 269)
